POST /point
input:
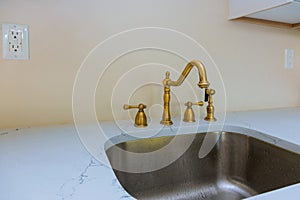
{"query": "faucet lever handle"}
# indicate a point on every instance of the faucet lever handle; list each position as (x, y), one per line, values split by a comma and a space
(140, 106)
(200, 103)
(140, 118)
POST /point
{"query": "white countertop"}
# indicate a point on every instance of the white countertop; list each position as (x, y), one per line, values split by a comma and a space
(57, 163)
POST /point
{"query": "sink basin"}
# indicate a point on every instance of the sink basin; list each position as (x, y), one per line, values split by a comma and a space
(239, 166)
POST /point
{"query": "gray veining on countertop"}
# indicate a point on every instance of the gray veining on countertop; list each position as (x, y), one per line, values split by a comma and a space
(51, 163)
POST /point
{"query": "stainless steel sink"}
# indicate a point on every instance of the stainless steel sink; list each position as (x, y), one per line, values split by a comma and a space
(238, 166)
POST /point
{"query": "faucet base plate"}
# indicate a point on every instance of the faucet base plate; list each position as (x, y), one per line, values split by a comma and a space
(210, 119)
(166, 123)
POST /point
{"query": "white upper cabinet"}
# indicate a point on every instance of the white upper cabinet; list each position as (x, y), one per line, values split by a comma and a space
(282, 12)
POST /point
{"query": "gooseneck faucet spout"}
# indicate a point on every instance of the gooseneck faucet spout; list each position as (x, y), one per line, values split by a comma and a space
(167, 82)
(203, 83)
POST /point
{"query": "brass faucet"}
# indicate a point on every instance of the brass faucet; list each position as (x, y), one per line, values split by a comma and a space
(189, 115)
(140, 117)
(203, 84)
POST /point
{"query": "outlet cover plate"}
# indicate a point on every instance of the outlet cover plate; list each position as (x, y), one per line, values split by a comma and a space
(15, 42)
(289, 59)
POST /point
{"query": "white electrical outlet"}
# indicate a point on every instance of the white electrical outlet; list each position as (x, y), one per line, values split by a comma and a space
(15, 42)
(289, 59)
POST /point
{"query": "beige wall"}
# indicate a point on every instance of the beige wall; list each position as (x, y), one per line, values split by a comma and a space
(62, 33)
